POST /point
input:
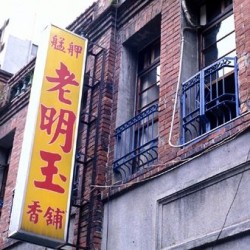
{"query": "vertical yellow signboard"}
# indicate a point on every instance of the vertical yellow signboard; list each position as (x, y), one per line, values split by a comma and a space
(48, 155)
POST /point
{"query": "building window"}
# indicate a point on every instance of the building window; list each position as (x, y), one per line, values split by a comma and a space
(33, 51)
(5, 152)
(3, 177)
(210, 97)
(148, 77)
(218, 35)
(137, 137)
(146, 131)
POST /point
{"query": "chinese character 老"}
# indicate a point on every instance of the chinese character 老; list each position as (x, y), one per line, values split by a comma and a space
(64, 78)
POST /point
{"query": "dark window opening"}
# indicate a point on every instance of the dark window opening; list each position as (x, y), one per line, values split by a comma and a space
(148, 77)
(218, 32)
(85, 91)
(218, 41)
(216, 8)
(5, 153)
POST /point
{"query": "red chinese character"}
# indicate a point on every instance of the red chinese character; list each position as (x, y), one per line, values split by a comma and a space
(74, 49)
(47, 118)
(34, 211)
(49, 216)
(65, 77)
(65, 124)
(54, 217)
(49, 171)
(58, 43)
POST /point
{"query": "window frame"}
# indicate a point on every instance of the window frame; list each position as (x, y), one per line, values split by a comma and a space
(3, 183)
(144, 131)
(5, 167)
(225, 13)
(137, 139)
(143, 70)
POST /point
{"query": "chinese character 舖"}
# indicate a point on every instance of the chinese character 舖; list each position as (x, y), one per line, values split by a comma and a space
(54, 217)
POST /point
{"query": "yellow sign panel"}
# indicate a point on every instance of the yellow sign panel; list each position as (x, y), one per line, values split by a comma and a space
(45, 209)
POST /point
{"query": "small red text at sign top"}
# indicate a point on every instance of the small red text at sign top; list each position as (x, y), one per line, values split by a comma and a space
(58, 43)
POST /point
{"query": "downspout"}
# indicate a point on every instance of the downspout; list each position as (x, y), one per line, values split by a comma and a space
(193, 27)
(187, 14)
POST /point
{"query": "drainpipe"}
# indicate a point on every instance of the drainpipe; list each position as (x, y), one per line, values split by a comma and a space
(187, 14)
(178, 87)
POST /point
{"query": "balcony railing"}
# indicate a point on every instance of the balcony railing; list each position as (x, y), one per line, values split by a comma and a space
(22, 85)
(210, 98)
(137, 142)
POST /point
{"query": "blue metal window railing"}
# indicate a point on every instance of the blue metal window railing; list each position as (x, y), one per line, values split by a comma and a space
(210, 98)
(136, 142)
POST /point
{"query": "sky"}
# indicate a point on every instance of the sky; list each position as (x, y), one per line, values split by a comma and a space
(30, 17)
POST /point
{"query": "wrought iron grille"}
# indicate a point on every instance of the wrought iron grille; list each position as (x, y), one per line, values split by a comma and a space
(210, 98)
(22, 85)
(136, 142)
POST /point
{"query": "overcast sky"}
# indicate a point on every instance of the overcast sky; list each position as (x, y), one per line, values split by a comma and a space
(31, 16)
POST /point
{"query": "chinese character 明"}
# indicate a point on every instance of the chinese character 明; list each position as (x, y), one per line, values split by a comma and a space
(64, 123)
(74, 49)
(34, 210)
(58, 44)
(47, 118)
(54, 217)
(65, 77)
(49, 171)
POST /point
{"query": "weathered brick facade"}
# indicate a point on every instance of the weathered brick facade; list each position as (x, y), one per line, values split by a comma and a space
(13, 120)
(117, 32)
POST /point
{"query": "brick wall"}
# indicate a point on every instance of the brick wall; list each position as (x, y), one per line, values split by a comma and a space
(17, 123)
(170, 49)
(170, 55)
(93, 140)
